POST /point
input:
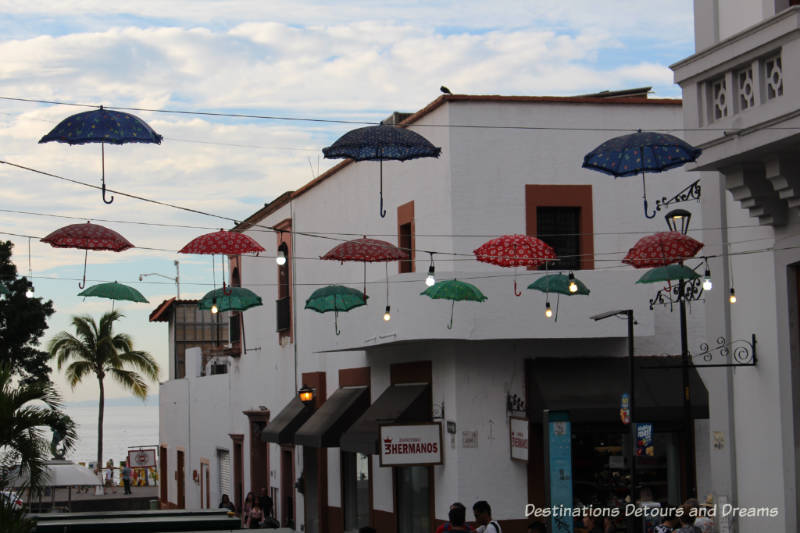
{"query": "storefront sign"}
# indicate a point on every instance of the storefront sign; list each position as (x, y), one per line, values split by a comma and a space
(142, 458)
(406, 445)
(559, 465)
(518, 429)
(644, 440)
(625, 409)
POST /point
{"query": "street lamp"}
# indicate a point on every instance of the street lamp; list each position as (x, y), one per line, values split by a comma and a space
(628, 313)
(176, 279)
(678, 220)
(306, 394)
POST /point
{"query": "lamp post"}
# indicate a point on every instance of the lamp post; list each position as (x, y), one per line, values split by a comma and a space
(176, 279)
(678, 220)
(628, 313)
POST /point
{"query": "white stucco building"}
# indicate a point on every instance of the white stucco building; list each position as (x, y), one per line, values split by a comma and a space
(741, 93)
(508, 165)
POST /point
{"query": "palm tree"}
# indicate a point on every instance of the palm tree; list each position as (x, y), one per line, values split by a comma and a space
(96, 349)
(26, 409)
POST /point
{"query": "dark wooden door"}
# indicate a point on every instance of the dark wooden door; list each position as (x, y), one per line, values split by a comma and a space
(181, 478)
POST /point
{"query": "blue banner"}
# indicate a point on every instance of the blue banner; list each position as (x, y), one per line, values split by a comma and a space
(560, 461)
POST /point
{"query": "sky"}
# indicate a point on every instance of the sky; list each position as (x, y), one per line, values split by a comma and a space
(354, 61)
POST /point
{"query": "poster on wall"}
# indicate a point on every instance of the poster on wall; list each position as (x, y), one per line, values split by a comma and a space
(411, 444)
(644, 440)
(559, 467)
(518, 433)
(142, 458)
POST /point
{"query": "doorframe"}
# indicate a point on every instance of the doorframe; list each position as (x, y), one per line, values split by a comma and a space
(238, 469)
(205, 499)
(180, 476)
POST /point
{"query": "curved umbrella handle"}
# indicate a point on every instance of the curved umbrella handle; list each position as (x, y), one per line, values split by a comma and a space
(103, 158)
(82, 284)
(336, 323)
(516, 291)
(646, 215)
(226, 290)
(381, 210)
(452, 307)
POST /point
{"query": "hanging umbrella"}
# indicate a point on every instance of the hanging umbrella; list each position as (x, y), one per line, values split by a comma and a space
(102, 126)
(515, 251)
(454, 290)
(224, 243)
(668, 273)
(87, 237)
(628, 155)
(231, 299)
(114, 291)
(559, 284)
(662, 249)
(367, 251)
(381, 143)
(335, 298)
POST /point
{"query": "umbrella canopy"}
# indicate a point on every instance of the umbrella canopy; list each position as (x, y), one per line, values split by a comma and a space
(102, 126)
(454, 290)
(222, 242)
(114, 291)
(61, 473)
(662, 249)
(380, 143)
(367, 250)
(558, 283)
(643, 151)
(668, 273)
(515, 251)
(87, 237)
(230, 299)
(335, 298)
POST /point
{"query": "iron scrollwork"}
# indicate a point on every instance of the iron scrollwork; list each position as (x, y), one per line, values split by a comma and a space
(691, 192)
(670, 295)
(515, 404)
(736, 353)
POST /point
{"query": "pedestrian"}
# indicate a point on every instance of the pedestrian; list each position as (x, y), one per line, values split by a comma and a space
(458, 519)
(226, 503)
(126, 477)
(687, 520)
(265, 502)
(248, 504)
(447, 526)
(255, 516)
(483, 517)
(669, 524)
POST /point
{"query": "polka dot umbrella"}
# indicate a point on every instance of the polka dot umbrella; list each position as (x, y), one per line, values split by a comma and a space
(662, 249)
(515, 251)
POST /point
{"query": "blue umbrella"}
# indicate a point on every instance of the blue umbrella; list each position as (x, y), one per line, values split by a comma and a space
(380, 143)
(643, 151)
(102, 126)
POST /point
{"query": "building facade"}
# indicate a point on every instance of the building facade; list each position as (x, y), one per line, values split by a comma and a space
(741, 91)
(509, 165)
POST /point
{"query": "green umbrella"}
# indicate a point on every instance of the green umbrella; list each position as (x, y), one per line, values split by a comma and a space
(230, 299)
(114, 291)
(454, 290)
(335, 298)
(558, 283)
(668, 273)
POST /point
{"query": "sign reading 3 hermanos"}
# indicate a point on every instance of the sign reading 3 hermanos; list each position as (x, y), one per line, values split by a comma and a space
(417, 444)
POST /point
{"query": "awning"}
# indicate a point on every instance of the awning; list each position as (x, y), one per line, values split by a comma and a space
(591, 388)
(337, 414)
(281, 428)
(409, 402)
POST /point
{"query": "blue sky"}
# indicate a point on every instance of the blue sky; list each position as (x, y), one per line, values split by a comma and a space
(356, 60)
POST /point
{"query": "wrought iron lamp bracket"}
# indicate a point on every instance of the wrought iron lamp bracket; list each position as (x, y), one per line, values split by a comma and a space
(515, 405)
(737, 352)
(690, 192)
(692, 292)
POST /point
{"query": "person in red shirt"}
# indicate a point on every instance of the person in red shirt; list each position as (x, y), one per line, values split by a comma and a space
(448, 526)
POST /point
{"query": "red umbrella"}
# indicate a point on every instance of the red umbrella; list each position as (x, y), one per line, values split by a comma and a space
(662, 249)
(367, 251)
(224, 243)
(87, 237)
(515, 251)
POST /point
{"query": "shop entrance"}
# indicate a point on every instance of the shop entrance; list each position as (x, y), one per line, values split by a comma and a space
(311, 495)
(287, 486)
(413, 486)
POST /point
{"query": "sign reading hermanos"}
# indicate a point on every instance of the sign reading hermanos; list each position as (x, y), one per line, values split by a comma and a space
(518, 433)
(411, 444)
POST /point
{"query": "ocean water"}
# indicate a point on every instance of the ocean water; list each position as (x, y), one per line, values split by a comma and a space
(126, 423)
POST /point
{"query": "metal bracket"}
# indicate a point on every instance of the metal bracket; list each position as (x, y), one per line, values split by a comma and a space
(671, 295)
(515, 404)
(735, 353)
(691, 192)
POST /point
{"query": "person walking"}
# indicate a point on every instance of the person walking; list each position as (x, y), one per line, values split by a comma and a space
(483, 518)
(447, 526)
(126, 477)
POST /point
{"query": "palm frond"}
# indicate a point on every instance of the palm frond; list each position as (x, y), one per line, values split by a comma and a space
(78, 370)
(130, 380)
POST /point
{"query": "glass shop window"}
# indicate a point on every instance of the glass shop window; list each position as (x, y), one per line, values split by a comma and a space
(413, 499)
(355, 484)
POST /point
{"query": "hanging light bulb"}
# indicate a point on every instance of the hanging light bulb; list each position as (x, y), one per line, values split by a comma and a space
(707, 285)
(387, 316)
(281, 257)
(29, 292)
(430, 281)
(573, 287)
(548, 312)
(732, 297)
(214, 308)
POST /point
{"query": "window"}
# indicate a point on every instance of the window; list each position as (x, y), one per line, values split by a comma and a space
(405, 236)
(197, 327)
(355, 490)
(562, 216)
(560, 228)
(283, 304)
